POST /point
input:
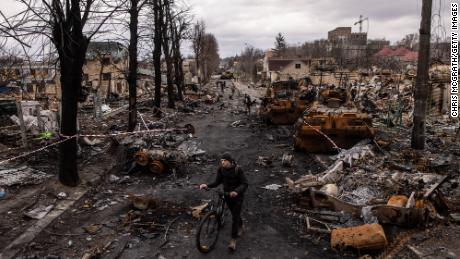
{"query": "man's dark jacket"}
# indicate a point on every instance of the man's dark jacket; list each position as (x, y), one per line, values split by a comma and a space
(232, 178)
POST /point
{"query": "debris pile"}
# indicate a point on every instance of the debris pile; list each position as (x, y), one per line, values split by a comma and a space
(367, 187)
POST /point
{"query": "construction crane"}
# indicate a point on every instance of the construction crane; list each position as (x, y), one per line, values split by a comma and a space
(361, 20)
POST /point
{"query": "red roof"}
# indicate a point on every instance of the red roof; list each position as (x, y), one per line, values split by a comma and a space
(400, 52)
(403, 54)
(411, 56)
(385, 52)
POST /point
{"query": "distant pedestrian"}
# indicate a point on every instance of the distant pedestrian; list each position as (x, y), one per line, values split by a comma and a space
(248, 103)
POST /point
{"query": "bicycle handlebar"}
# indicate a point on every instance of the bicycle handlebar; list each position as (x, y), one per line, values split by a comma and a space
(219, 192)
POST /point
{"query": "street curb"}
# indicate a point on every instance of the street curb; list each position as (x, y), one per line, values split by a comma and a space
(75, 195)
(33, 231)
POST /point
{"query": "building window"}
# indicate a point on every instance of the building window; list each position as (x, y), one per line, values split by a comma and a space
(105, 61)
(297, 66)
(106, 76)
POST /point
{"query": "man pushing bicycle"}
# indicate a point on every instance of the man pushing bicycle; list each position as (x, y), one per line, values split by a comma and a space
(235, 184)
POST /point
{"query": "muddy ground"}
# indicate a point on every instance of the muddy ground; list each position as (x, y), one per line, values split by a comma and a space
(102, 222)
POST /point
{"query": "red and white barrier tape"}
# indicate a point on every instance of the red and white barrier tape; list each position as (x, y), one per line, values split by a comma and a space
(84, 135)
(35, 151)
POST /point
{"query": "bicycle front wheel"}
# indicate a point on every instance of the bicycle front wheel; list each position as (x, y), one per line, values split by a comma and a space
(208, 232)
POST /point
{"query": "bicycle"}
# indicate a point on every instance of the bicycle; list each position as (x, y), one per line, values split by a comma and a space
(210, 225)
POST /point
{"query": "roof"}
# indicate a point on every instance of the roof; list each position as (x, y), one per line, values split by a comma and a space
(400, 52)
(411, 56)
(403, 53)
(116, 49)
(279, 64)
(385, 52)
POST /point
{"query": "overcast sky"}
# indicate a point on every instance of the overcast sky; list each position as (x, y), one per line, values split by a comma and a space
(256, 22)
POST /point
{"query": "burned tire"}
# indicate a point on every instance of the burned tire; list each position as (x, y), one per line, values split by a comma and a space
(208, 232)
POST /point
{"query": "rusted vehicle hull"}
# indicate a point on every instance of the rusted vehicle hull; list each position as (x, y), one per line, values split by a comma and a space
(365, 237)
(282, 104)
(282, 112)
(345, 130)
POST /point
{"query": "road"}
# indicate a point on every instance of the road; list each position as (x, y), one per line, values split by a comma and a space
(271, 232)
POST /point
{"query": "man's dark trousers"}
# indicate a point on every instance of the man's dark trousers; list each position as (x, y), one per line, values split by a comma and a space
(235, 205)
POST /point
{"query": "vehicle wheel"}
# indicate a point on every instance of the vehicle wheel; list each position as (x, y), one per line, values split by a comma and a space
(208, 232)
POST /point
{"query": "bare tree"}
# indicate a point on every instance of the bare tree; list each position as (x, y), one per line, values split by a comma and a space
(64, 23)
(157, 42)
(209, 55)
(180, 25)
(135, 7)
(410, 41)
(248, 65)
(166, 33)
(197, 42)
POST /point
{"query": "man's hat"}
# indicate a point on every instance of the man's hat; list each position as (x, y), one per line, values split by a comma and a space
(227, 156)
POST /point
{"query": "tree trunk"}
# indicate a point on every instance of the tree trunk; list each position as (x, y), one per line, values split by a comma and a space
(421, 83)
(179, 78)
(168, 60)
(68, 173)
(157, 50)
(177, 62)
(132, 73)
(71, 45)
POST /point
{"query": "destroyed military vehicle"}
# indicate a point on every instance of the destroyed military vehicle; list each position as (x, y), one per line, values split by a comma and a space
(284, 102)
(331, 123)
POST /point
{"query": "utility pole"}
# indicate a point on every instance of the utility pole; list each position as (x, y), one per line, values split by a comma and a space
(421, 82)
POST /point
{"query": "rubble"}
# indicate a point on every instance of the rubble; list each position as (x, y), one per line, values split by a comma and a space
(22, 175)
(39, 212)
(142, 202)
(197, 211)
(272, 187)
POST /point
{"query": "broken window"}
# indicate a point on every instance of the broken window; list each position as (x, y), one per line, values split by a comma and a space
(297, 66)
(41, 88)
(105, 61)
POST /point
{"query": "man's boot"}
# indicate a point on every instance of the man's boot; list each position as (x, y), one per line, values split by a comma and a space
(232, 244)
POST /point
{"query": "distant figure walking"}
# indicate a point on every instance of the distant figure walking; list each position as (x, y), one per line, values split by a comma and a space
(248, 102)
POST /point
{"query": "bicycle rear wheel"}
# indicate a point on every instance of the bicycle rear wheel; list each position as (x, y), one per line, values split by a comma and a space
(208, 232)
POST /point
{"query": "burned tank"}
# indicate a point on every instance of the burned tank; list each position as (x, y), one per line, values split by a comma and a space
(284, 102)
(331, 123)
